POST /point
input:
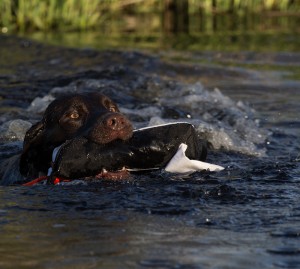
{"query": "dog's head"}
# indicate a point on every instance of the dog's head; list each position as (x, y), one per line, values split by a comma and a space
(92, 115)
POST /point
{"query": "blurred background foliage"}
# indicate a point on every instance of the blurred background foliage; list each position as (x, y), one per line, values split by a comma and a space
(28, 15)
(180, 24)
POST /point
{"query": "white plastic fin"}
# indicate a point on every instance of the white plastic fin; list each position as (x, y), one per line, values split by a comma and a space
(182, 164)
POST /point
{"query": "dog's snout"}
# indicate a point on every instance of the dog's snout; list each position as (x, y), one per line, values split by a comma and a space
(110, 127)
(115, 121)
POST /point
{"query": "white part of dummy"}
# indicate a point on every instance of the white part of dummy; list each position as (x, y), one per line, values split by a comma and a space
(182, 164)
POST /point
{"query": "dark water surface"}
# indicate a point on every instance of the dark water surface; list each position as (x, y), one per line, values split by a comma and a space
(247, 216)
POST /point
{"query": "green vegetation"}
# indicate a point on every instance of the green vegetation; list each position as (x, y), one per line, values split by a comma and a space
(29, 15)
(50, 14)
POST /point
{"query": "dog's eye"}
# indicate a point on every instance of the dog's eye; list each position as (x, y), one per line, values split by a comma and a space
(112, 109)
(74, 115)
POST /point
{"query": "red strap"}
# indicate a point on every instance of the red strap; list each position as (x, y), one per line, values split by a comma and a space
(58, 180)
(39, 179)
(35, 181)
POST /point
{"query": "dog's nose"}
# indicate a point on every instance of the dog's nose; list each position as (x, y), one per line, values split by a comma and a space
(116, 122)
(110, 127)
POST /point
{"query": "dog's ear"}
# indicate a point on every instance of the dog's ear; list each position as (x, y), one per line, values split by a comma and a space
(32, 138)
(33, 135)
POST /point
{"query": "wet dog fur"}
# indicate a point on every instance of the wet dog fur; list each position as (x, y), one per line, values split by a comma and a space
(92, 115)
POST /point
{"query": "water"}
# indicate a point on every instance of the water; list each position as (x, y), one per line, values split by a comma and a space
(246, 216)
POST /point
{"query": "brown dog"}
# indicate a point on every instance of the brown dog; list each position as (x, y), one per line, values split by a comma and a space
(92, 115)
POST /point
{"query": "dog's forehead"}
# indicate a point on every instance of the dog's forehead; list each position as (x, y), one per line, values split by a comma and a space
(99, 98)
(85, 102)
(90, 100)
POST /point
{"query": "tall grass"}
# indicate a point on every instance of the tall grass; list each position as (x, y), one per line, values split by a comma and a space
(50, 14)
(85, 14)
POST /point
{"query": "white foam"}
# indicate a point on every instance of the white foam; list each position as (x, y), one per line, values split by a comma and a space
(14, 130)
(39, 105)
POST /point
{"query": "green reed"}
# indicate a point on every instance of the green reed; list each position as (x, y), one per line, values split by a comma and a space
(51, 14)
(26, 15)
